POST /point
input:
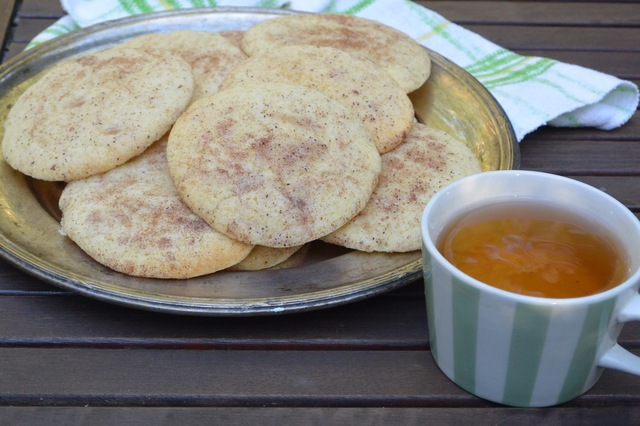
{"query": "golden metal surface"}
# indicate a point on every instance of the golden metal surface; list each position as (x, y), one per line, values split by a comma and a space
(29, 229)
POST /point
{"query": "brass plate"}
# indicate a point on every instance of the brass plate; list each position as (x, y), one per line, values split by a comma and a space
(29, 230)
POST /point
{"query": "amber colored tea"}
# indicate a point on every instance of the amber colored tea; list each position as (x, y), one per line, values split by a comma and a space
(535, 250)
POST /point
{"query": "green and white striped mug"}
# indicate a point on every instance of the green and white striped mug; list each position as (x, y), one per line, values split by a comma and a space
(522, 350)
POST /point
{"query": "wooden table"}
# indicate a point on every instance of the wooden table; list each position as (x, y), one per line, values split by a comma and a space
(67, 359)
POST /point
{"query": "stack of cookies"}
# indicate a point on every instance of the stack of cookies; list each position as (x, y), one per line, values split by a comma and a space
(190, 152)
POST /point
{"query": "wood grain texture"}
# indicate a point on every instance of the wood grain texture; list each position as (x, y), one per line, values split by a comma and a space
(141, 377)
(77, 321)
(276, 416)
(6, 15)
(539, 13)
(73, 360)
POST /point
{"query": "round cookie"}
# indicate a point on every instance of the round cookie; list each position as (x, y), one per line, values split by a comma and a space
(428, 160)
(234, 36)
(374, 97)
(94, 112)
(275, 165)
(211, 55)
(397, 53)
(293, 261)
(262, 257)
(132, 220)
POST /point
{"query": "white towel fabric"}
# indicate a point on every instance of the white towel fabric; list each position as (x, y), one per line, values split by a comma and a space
(533, 91)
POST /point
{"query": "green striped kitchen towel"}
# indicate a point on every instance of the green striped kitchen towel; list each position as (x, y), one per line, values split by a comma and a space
(533, 91)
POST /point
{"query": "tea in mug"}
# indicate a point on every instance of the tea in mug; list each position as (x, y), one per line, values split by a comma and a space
(534, 249)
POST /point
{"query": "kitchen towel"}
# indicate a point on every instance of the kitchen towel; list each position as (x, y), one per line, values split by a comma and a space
(533, 91)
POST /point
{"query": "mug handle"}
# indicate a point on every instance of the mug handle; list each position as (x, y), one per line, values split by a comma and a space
(617, 357)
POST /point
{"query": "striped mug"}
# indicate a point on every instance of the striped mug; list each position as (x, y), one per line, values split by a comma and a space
(522, 350)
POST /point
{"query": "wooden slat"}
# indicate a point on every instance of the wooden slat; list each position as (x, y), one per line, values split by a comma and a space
(538, 12)
(581, 157)
(14, 50)
(143, 377)
(31, 27)
(222, 378)
(13, 280)
(6, 15)
(381, 322)
(41, 9)
(515, 37)
(277, 416)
